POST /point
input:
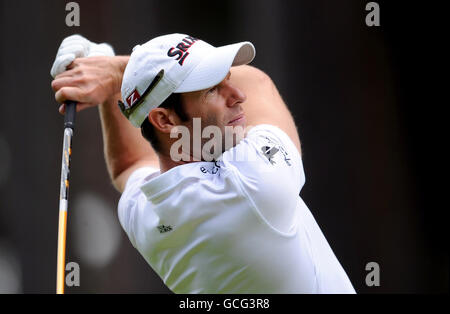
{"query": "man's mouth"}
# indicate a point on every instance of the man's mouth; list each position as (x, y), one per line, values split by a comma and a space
(237, 119)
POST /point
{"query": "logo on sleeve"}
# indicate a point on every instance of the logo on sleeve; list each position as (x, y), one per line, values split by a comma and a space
(269, 152)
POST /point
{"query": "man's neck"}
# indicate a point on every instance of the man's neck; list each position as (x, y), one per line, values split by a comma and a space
(166, 163)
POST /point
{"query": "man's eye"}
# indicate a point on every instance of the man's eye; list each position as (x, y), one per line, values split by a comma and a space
(212, 90)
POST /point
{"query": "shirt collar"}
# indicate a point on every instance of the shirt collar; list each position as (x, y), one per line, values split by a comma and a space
(161, 185)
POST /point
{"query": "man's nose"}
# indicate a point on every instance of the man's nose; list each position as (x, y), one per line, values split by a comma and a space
(235, 95)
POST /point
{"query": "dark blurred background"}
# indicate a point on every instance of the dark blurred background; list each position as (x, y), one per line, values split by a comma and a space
(356, 92)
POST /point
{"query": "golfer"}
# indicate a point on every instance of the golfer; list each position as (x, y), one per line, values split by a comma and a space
(210, 212)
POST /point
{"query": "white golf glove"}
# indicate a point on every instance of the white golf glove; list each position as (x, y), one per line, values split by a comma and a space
(76, 46)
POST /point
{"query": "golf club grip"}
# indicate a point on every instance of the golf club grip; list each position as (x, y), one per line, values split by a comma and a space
(69, 116)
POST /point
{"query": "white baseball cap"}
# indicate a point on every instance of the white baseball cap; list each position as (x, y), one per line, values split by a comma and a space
(175, 63)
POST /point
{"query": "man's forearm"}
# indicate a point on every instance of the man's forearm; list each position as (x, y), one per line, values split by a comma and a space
(124, 145)
(264, 104)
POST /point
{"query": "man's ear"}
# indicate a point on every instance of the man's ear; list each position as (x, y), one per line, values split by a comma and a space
(162, 119)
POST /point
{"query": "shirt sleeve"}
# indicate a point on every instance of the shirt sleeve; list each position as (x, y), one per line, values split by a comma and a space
(269, 170)
(132, 197)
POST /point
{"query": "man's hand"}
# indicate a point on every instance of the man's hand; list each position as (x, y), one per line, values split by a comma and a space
(89, 81)
(80, 84)
(85, 73)
(76, 46)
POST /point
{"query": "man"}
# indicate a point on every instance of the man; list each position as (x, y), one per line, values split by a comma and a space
(206, 223)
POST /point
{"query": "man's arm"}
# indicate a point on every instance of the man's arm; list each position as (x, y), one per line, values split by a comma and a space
(264, 104)
(97, 80)
(124, 147)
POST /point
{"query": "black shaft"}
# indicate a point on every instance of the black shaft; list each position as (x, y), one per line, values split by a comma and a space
(69, 116)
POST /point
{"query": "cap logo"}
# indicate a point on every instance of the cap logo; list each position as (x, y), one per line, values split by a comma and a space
(181, 50)
(133, 98)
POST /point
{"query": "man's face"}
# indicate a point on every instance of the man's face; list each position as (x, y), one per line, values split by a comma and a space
(218, 106)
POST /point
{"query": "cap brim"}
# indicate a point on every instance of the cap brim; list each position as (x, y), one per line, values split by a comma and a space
(214, 67)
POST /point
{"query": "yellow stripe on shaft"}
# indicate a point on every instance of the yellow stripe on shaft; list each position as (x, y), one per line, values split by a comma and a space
(61, 263)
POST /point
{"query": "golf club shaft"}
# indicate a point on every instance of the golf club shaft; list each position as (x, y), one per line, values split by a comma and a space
(69, 125)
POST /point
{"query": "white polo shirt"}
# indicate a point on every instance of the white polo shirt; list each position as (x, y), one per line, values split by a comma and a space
(237, 225)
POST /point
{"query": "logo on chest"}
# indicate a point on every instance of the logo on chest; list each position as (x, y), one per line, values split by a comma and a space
(164, 229)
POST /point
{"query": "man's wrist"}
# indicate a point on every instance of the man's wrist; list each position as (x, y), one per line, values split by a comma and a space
(111, 102)
(120, 63)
